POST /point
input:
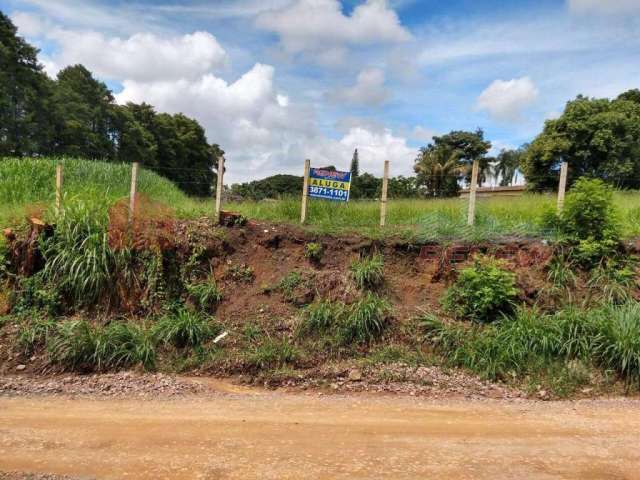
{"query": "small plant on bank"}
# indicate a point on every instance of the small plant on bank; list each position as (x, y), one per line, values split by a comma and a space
(313, 251)
(184, 329)
(33, 333)
(365, 320)
(320, 317)
(74, 345)
(240, 273)
(205, 294)
(482, 292)
(272, 354)
(289, 283)
(368, 272)
(35, 293)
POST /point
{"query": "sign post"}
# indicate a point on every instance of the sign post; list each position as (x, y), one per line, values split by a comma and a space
(305, 188)
(471, 218)
(58, 187)
(219, 187)
(383, 197)
(132, 194)
(562, 186)
(329, 184)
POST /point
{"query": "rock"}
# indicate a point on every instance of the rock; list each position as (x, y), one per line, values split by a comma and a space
(543, 395)
(355, 375)
(21, 367)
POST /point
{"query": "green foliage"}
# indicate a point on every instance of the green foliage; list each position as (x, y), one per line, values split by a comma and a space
(589, 213)
(205, 294)
(276, 186)
(272, 353)
(368, 272)
(597, 137)
(77, 345)
(321, 316)
(314, 251)
(289, 283)
(34, 332)
(184, 329)
(365, 320)
(36, 293)
(483, 292)
(614, 281)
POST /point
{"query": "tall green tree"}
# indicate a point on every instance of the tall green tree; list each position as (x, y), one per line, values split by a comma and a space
(25, 96)
(506, 166)
(469, 146)
(597, 137)
(355, 165)
(439, 170)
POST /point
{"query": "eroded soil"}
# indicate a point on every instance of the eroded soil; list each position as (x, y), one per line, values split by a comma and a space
(246, 434)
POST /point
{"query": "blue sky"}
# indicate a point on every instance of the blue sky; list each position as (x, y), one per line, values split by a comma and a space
(277, 81)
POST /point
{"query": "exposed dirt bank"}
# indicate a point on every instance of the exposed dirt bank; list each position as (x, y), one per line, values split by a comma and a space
(267, 435)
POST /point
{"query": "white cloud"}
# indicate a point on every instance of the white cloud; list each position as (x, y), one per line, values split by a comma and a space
(368, 90)
(319, 26)
(374, 148)
(504, 100)
(604, 6)
(423, 134)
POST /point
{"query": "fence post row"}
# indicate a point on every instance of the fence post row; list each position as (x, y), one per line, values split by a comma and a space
(562, 186)
(471, 218)
(219, 187)
(383, 197)
(132, 194)
(305, 188)
(58, 187)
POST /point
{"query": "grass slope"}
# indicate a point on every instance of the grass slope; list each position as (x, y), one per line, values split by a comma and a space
(28, 185)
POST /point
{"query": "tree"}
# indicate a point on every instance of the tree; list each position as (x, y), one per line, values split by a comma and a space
(506, 166)
(597, 137)
(271, 187)
(439, 170)
(468, 146)
(25, 96)
(403, 187)
(365, 186)
(355, 165)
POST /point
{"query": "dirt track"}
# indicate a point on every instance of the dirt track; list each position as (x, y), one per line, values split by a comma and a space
(283, 436)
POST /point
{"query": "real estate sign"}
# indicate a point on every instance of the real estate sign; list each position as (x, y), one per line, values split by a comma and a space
(329, 184)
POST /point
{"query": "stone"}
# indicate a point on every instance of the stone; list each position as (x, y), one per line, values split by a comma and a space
(355, 375)
(21, 367)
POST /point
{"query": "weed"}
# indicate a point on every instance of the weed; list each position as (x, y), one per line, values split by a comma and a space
(240, 273)
(272, 354)
(205, 294)
(34, 333)
(614, 281)
(483, 292)
(35, 293)
(365, 320)
(368, 272)
(289, 283)
(313, 251)
(320, 317)
(184, 329)
(121, 345)
(251, 332)
(74, 345)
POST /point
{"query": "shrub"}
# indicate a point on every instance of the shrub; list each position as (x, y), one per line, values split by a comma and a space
(289, 283)
(34, 333)
(205, 294)
(273, 354)
(184, 329)
(313, 251)
(74, 345)
(319, 317)
(365, 320)
(122, 345)
(240, 273)
(614, 281)
(368, 272)
(482, 292)
(35, 293)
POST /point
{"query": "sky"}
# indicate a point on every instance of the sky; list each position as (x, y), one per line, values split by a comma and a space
(276, 81)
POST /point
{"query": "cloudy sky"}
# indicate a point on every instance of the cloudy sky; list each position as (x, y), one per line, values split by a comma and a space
(277, 81)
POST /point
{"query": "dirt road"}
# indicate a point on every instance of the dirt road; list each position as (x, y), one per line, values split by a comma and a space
(287, 436)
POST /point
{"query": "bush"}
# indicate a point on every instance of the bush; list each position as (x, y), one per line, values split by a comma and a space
(320, 317)
(35, 293)
(205, 294)
(313, 251)
(365, 320)
(33, 333)
(482, 292)
(368, 272)
(74, 345)
(184, 329)
(273, 354)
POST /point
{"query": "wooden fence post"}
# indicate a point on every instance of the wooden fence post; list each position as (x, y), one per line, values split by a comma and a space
(132, 194)
(383, 197)
(562, 186)
(471, 218)
(58, 187)
(219, 188)
(305, 188)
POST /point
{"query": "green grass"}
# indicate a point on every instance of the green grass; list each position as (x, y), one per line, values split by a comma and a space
(28, 185)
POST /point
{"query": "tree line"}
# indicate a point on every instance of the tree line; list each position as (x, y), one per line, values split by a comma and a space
(76, 115)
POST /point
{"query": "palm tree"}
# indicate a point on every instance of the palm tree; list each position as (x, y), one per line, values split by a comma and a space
(506, 166)
(439, 170)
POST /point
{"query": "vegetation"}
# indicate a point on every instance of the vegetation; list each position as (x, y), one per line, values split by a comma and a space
(365, 320)
(368, 272)
(483, 292)
(184, 328)
(205, 293)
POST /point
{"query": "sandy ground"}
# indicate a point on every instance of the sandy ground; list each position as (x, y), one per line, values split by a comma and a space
(246, 434)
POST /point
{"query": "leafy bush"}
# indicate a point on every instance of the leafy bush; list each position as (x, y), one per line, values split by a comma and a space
(313, 251)
(368, 272)
(272, 354)
(36, 293)
(365, 320)
(482, 292)
(319, 317)
(614, 281)
(205, 294)
(33, 333)
(184, 329)
(74, 345)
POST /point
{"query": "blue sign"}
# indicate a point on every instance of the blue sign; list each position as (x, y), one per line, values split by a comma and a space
(329, 184)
